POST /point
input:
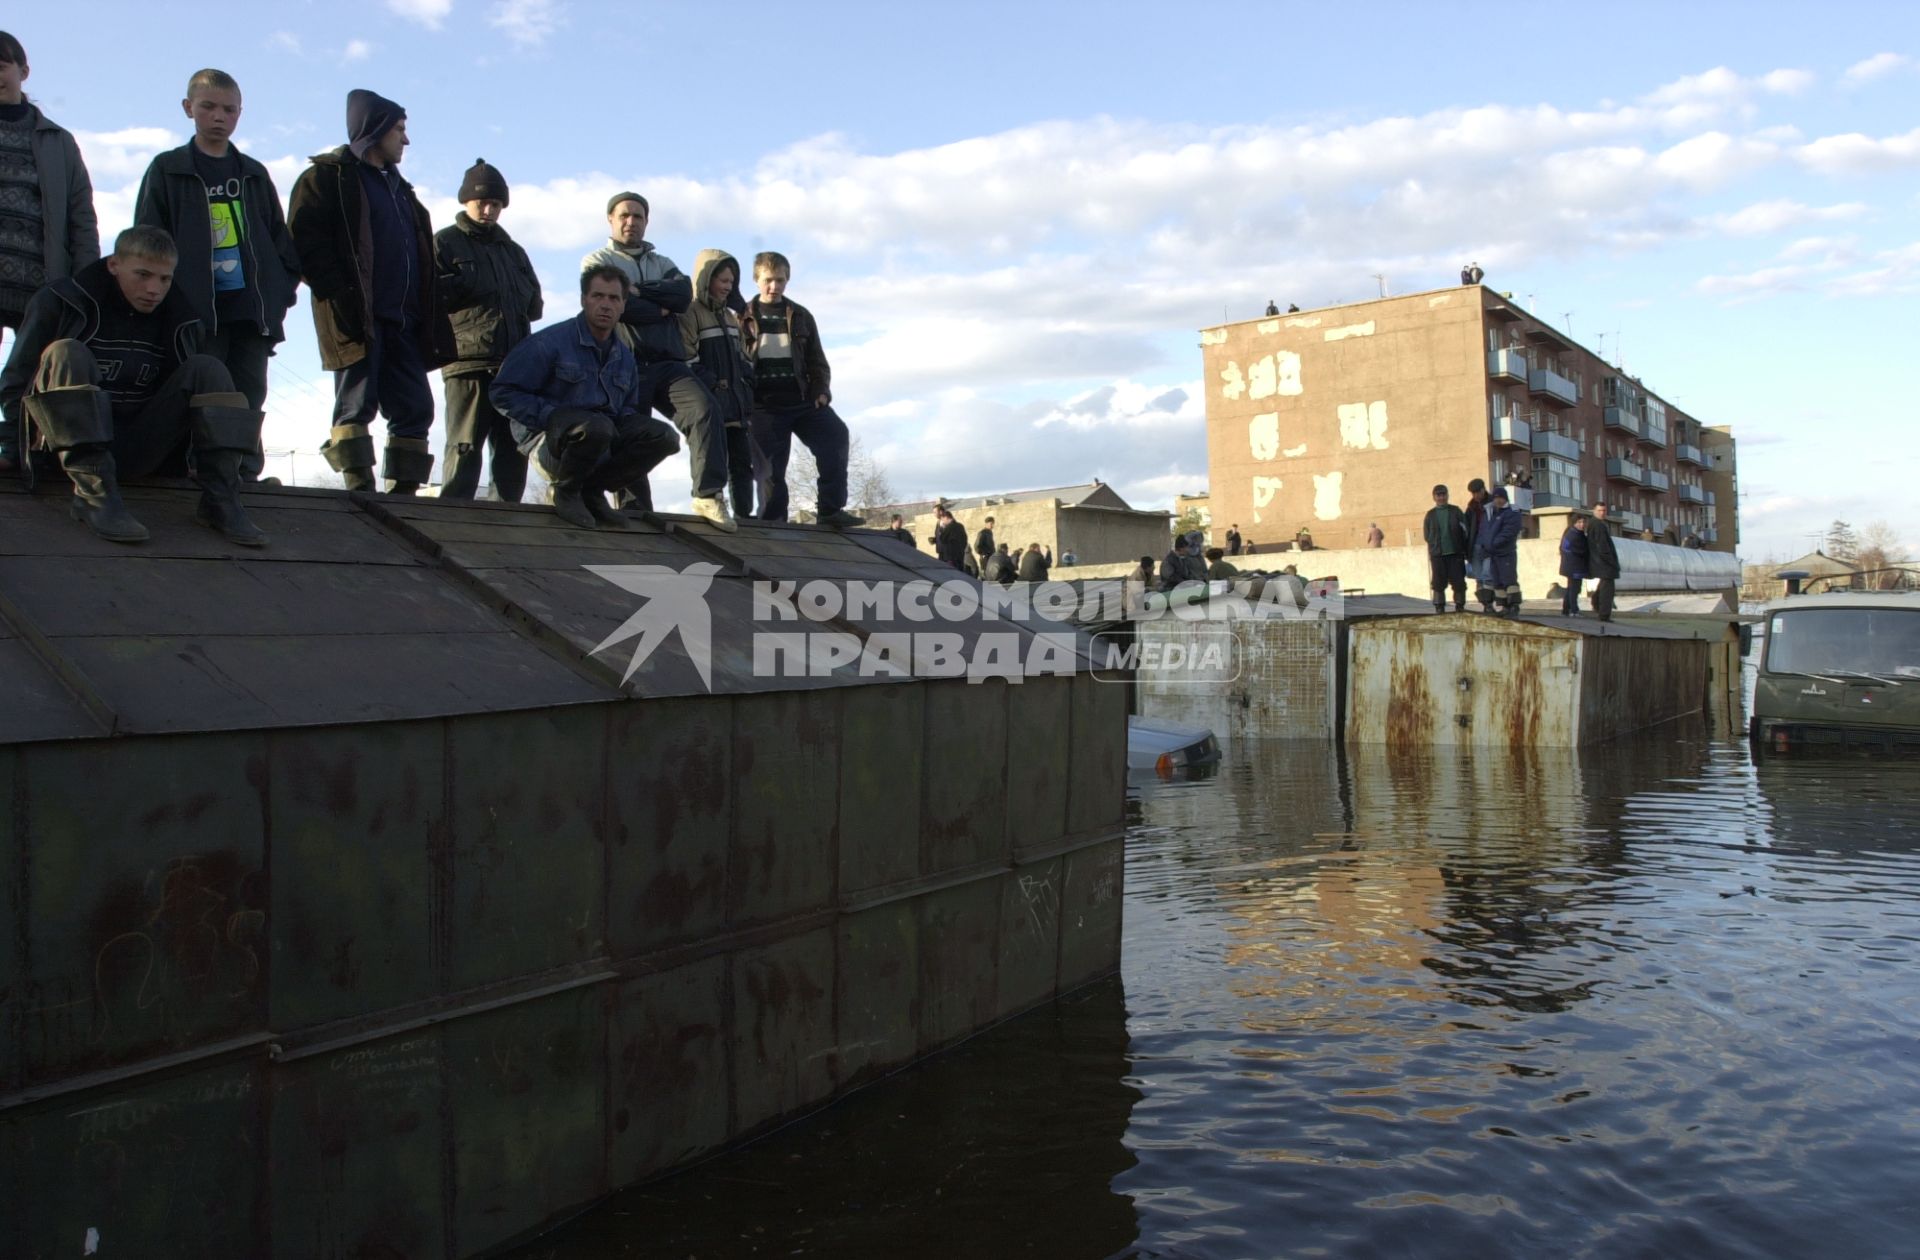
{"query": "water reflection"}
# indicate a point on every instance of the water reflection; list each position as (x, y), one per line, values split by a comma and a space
(1644, 999)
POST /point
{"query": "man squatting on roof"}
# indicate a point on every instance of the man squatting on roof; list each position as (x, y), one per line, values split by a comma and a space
(573, 393)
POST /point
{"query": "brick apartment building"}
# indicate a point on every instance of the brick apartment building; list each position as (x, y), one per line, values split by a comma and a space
(1338, 418)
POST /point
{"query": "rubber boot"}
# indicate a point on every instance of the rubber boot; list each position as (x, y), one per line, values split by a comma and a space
(349, 452)
(637, 497)
(604, 513)
(78, 424)
(224, 434)
(408, 465)
(1439, 605)
(569, 506)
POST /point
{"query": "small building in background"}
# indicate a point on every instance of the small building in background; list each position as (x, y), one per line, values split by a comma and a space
(1092, 521)
(1330, 419)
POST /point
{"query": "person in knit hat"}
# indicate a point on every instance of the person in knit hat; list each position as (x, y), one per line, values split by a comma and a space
(490, 287)
(366, 252)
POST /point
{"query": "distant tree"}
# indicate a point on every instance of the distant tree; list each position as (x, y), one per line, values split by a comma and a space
(1188, 521)
(1879, 547)
(1842, 543)
(868, 485)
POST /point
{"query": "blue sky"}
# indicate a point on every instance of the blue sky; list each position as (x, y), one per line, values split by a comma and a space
(1010, 219)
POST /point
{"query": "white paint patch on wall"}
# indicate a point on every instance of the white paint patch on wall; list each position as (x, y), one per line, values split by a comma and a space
(1295, 452)
(1326, 496)
(1311, 321)
(1287, 368)
(1213, 336)
(1363, 426)
(1268, 326)
(1261, 382)
(1440, 300)
(1263, 435)
(1351, 330)
(1232, 384)
(1264, 488)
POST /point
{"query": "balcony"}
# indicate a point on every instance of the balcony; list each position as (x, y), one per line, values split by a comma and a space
(1688, 453)
(1512, 431)
(1545, 443)
(1658, 524)
(1550, 384)
(1711, 500)
(1627, 521)
(1659, 481)
(1692, 494)
(1622, 419)
(1507, 365)
(1708, 534)
(1653, 434)
(1626, 470)
(1547, 498)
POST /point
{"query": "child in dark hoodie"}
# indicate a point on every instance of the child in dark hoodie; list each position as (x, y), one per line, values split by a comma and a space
(711, 333)
(48, 230)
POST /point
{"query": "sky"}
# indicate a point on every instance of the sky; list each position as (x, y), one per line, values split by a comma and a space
(1011, 220)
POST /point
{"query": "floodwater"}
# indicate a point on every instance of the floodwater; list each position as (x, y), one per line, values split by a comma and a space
(1649, 999)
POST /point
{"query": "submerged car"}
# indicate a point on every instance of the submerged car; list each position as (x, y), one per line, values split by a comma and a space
(1839, 669)
(1170, 749)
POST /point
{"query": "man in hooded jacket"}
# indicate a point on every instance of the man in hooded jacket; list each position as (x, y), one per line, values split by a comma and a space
(366, 252)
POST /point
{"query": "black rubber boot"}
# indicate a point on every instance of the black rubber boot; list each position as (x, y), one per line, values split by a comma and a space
(409, 464)
(1439, 605)
(224, 434)
(604, 513)
(570, 507)
(78, 424)
(349, 452)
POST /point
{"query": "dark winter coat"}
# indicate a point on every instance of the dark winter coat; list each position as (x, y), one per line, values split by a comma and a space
(1573, 553)
(1497, 545)
(332, 232)
(1446, 531)
(71, 308)
(710, 335)
(983, 544)
(1602, 560)
(809, 359)
(490, 289)
(174, 196)
(1033, 567)
(950, 544)
(68, 224)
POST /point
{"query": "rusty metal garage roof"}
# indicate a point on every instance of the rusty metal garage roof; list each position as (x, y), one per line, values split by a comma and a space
(369, 609)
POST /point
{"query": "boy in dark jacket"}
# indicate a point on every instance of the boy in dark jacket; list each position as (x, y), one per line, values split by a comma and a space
(237, 268)
(1445, 528)
(1603, 562)
(1496, 547)
(793, 397)
(949, 539)
(48, 230)
(366, 252)
(710, 336)
(489, 285)
(107, 367)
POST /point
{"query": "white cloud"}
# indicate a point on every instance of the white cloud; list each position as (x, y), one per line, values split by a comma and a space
(527, 23)
(124, 154)
(356, 50)
(1877, 66)
(1857, 154)
(1763, 218)
(286, 41)
(428, 13)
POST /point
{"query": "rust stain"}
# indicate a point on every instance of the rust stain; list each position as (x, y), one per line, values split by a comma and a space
(1523, 692)
(1409, 701)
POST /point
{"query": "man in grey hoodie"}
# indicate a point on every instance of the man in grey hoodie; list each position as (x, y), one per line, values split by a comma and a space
(660, 293)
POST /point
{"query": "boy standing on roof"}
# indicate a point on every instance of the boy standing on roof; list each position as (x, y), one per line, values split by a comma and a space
(793, 390)
(238, 268)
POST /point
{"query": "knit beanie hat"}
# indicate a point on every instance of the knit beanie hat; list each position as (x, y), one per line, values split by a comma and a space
(483, 183)
(369, 117)
(1500, 493)
(619, 197)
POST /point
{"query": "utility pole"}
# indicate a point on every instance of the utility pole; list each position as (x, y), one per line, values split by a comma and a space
(1383, 283)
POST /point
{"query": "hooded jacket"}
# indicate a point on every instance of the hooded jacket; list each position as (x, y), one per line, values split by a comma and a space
(809, 359)
(73, 308)
(328, 216)
(69, 227)
(1573, 553)
(489, 284)
(710, 340)
(656, 282)
(173, 196)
